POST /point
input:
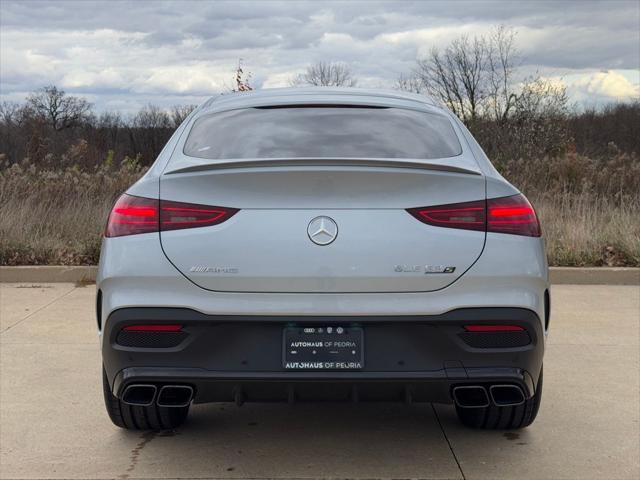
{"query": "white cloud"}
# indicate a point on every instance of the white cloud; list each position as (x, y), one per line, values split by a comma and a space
(81, 78)
(590, 88)
(609, 84)
(191, 79)
(142, 56)
(280, 79)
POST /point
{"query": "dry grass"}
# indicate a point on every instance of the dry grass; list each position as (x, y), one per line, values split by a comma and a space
(588, 207)
(57, 217)
(588, 210)
(587, 230)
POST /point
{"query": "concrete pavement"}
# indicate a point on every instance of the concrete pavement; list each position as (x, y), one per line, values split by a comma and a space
(53, 423)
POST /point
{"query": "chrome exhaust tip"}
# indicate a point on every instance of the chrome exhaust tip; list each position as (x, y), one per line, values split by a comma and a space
(139, 395)
(470, 396)
(506, 395)
(175, 396)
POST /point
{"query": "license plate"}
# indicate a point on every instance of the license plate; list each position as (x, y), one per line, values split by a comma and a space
(323, 348)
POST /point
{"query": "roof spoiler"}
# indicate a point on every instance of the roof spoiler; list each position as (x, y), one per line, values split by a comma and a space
(331, 162)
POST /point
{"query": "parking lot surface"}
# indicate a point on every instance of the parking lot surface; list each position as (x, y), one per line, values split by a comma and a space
(53, 423)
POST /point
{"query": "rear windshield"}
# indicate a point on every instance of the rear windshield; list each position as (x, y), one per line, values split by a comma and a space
(322, 132)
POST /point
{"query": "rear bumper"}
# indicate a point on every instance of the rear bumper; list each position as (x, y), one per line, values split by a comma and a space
(239, 387)
(406, 358)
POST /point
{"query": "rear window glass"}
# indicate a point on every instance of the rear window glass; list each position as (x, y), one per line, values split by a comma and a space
(322, 132)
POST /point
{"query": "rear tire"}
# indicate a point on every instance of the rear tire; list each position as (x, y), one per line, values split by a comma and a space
(132, 417)
(503, 418)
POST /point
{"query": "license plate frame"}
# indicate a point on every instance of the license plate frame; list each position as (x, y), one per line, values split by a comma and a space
(337, 348)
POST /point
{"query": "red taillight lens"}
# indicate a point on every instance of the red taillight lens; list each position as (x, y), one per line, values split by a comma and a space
(468, 216)
(176, 215)
(132, 215)
(153, 328)
(513, 215)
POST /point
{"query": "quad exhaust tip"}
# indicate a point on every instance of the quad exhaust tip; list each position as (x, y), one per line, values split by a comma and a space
(145, 395)
(175, 396)
(506, 395)
(471, 396)
(139, 395)
(477, 396)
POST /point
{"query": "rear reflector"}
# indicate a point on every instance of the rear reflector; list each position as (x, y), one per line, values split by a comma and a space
(493, 328)
(513, 215)
(132, 215)
(153, 328)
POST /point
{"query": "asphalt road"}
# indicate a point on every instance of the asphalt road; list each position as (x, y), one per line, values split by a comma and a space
(53, 423)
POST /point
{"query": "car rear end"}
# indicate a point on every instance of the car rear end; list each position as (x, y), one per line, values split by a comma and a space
(323, 246)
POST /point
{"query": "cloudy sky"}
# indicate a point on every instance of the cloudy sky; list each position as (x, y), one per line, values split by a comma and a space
(124, 54)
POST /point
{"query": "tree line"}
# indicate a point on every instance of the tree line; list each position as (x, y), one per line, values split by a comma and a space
(53, 128)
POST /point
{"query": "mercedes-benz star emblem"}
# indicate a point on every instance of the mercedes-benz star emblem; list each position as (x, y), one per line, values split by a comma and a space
(322, 230)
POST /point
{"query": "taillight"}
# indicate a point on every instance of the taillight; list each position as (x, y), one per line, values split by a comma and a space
(513, 215)
(177, 215)
(132, 215)
(468, 215)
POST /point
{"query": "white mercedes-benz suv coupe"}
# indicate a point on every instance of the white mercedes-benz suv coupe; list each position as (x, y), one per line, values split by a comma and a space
(322, 244)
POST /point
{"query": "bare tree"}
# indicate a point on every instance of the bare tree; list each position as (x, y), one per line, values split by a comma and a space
(409, 83)
(179, 113)
(501, 65)
(326, 74)
(60, 110)
(540, 115)
(242, 81)
(13, 121)
(539, 118)
(109, 120)
(541, 97)
(535, 125)
(11, 113)
(473, 76)
(149, 130)
(151, 116)
(457, 75)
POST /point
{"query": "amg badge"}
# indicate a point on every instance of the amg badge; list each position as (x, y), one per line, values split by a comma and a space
(426, 269)
(203, 269)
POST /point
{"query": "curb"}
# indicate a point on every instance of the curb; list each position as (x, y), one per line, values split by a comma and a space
(48, 274)
(594, 276)
(87, 274)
